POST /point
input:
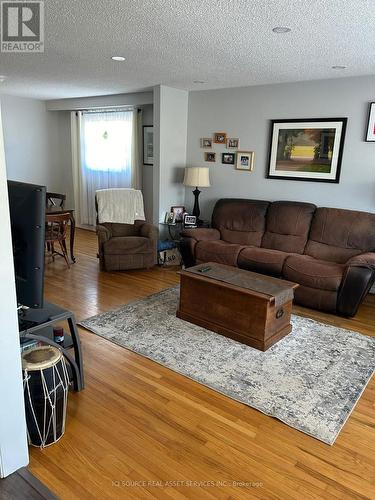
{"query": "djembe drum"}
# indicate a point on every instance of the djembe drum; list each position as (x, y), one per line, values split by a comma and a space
(46, 384)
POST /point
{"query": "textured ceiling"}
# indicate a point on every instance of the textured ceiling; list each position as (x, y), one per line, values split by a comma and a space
(224, 43)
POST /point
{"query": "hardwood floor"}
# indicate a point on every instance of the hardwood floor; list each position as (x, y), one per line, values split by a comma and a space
(139, 430)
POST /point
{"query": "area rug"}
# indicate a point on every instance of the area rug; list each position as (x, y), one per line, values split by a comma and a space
(310, 380)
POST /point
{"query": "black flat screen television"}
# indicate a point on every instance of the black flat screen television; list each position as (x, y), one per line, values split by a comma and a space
(27, 205)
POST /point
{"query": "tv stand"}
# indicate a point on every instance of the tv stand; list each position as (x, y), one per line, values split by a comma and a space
(34, 323)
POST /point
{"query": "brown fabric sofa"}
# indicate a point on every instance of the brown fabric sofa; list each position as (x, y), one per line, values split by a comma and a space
(127, 246)
(330, 252)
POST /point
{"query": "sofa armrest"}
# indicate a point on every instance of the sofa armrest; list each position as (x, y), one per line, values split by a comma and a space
(201, 234)
(358, 279)
(363, 260)
(147, 230)
(104, 234)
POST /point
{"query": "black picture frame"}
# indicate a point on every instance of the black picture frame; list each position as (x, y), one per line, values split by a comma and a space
(370, 121)
(147, 158)
(338, 147)
(232, 160)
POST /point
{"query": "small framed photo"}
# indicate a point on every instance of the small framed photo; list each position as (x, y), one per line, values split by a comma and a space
(206, 142)
(228, 158)
(210, 157)
(148, 145)
(245, 160)
(233, 143)
(370, 136)
(178, 212)
(190, 220)
(220, 138)
(169, 218)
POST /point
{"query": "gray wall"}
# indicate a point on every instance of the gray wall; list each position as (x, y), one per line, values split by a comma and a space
(37, 143)
(170, 139)
(246, 112)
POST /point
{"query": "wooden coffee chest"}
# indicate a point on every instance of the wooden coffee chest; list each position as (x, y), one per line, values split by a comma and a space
(248, 307)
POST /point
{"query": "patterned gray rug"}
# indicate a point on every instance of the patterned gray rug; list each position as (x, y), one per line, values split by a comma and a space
(310, 380)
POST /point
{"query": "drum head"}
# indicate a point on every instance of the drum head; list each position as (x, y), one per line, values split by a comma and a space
(40, 358)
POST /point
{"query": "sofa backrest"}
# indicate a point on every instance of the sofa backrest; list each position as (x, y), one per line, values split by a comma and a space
(240, 221)
(288, 226)
(337, 235)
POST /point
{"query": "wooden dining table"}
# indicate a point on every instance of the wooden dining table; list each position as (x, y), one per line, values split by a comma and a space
(53, 210)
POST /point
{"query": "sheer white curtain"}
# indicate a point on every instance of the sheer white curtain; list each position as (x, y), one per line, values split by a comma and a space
(105, 155)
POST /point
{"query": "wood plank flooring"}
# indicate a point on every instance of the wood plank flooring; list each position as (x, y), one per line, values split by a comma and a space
(139, 430)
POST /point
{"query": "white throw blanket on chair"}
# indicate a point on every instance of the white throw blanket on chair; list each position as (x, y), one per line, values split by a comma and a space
(121, 205)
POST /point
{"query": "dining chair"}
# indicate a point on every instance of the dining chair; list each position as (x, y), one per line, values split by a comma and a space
(56, 231)
(55, 200)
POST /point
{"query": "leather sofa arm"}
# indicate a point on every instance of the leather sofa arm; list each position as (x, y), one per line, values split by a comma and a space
(363, 260)
(358, 279)
(201, 234)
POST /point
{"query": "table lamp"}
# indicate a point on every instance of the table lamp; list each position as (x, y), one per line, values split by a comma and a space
(197, 177)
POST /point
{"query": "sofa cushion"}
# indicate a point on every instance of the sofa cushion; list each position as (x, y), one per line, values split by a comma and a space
(217, 251)
(288, 225)
(240, 221)
(127, 245)
(313, 273)
(262, 260)
(337, 235)
(323, 300)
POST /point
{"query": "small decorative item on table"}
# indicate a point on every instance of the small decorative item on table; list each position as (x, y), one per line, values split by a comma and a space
(190, 221)
(220, 137)
(245, 161)
(170, 218)
(178, 212)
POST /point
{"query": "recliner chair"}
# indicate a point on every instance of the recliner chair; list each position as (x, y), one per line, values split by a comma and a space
(124, 246)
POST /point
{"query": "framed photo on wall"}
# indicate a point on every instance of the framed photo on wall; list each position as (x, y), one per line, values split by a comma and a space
(148, 145)
(370, 135)
(220, 137)
(245, 161)
(228, 158)
(210, 157)
(307, 150)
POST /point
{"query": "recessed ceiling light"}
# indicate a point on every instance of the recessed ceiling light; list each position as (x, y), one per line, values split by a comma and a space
(281, 29)
(199, 81)
(118, 58)
(338, 67)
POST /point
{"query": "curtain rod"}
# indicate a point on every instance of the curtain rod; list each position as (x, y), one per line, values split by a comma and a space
(112, 109)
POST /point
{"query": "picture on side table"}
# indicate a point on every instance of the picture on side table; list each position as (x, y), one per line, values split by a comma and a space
(370, 136)
(178, 212)
(210, 157)
(307, 150)
(206, 142)
(170, 218)
(245, 160)
(228, 158)
(220, 137)
(233, 143)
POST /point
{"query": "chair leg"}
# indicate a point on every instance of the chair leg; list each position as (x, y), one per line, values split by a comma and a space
(64, 252)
